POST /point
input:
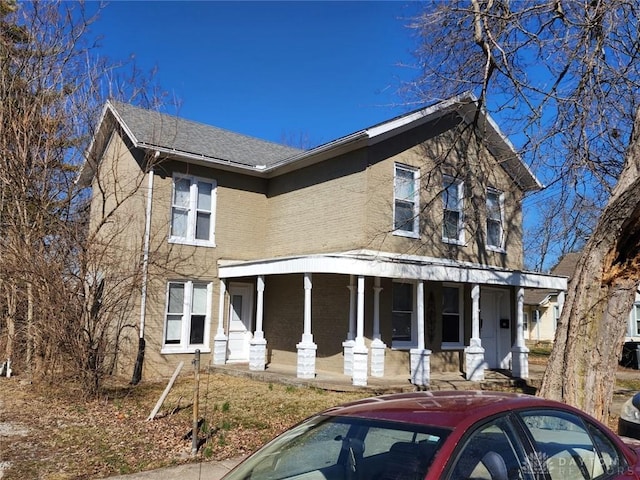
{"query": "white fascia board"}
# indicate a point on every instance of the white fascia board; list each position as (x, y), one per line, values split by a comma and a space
(387, 268)
(420, 115)
(83, 177)
(317, 154)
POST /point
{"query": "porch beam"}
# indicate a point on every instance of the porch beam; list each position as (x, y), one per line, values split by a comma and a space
(386, 265)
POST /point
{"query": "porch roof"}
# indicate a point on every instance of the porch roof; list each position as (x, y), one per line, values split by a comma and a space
(391, 265)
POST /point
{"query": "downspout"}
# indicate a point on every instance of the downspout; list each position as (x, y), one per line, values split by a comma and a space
(137, 373)
(145, 253)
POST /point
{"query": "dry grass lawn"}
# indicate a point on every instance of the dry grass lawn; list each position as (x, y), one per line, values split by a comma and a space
(49, 433)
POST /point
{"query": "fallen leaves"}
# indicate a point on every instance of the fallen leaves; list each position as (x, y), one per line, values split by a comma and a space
(73, 438)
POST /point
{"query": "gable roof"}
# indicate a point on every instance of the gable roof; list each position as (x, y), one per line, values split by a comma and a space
(204, 144)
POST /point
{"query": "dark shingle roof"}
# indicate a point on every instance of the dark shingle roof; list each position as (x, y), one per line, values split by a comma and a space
(153, 129)
(565, 268)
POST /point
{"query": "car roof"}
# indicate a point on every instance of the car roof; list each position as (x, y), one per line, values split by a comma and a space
(448, 409)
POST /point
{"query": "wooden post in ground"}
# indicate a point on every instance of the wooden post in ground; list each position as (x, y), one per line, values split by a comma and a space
(196, 394)
(165, 393)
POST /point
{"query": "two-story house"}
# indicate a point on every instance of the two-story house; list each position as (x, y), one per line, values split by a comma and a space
(397, 248)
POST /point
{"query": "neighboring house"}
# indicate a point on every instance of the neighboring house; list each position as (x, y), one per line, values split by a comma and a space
(541, 307)
(394, 249)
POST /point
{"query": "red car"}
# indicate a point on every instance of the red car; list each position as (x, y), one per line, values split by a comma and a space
(445, 435)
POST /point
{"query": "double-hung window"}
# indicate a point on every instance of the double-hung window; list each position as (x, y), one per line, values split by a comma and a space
(452, 202)
(187, 317)
(402, 316)
(193, 211)
(452, 317)
(495, 209)
(406, 201)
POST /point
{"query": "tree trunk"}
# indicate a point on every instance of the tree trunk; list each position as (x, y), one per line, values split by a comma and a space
(600, 297)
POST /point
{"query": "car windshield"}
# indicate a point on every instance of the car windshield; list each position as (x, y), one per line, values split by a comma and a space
(345, 448)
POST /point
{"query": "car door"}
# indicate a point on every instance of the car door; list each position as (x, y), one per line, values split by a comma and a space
(570, 447)
(493, 451)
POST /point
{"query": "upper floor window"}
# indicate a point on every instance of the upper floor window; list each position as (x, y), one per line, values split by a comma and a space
(406, 201)
(187, 316)
(495, 209)
(452, 317)
(452, 201)
(192, 211)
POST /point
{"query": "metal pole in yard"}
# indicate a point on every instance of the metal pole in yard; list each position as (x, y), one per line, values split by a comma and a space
(196, 393)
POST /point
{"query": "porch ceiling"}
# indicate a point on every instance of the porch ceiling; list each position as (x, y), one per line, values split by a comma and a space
(389, 265)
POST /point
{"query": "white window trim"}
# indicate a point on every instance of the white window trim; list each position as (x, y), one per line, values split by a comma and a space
(634, 318)
(184, 346)
(191, 220)
(497, 248)
(447, 179)
(460, 343)
(415, 233)
(413, 343)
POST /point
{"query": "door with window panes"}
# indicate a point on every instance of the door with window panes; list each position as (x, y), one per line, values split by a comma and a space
(240, 321)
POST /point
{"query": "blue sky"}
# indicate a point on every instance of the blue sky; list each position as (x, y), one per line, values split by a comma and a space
(280, 71)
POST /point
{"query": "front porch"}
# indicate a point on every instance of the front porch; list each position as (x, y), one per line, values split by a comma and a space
(363, 329)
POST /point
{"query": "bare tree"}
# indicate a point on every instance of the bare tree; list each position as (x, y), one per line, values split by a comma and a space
(563, 77)
(64, 301)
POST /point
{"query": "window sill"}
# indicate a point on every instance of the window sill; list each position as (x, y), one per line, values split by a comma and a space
(400, 233)
(193, 243)
(452, 346)
(491, 248)
(404, 346)
(166, 350)
(452, 241)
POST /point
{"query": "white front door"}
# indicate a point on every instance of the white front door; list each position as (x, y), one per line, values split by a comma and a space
(495, 331)
(240, 321)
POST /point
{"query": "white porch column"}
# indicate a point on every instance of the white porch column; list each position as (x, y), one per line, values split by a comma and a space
(420, 356)
(474, 353)
(378, 347)
(360, 350)
(258, 345)
(519, 352)
(348, 344)
(306, 347)
(220, 340)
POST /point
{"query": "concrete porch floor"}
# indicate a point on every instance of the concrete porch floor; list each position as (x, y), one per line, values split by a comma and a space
(335, 381)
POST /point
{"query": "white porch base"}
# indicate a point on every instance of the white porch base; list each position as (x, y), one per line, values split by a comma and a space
(520, 362)
(220, 350)
(378, 348)
(306, 367)
(360, 365)
(474, 361)
(420, 366)
(258, 354)
(347, 349)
